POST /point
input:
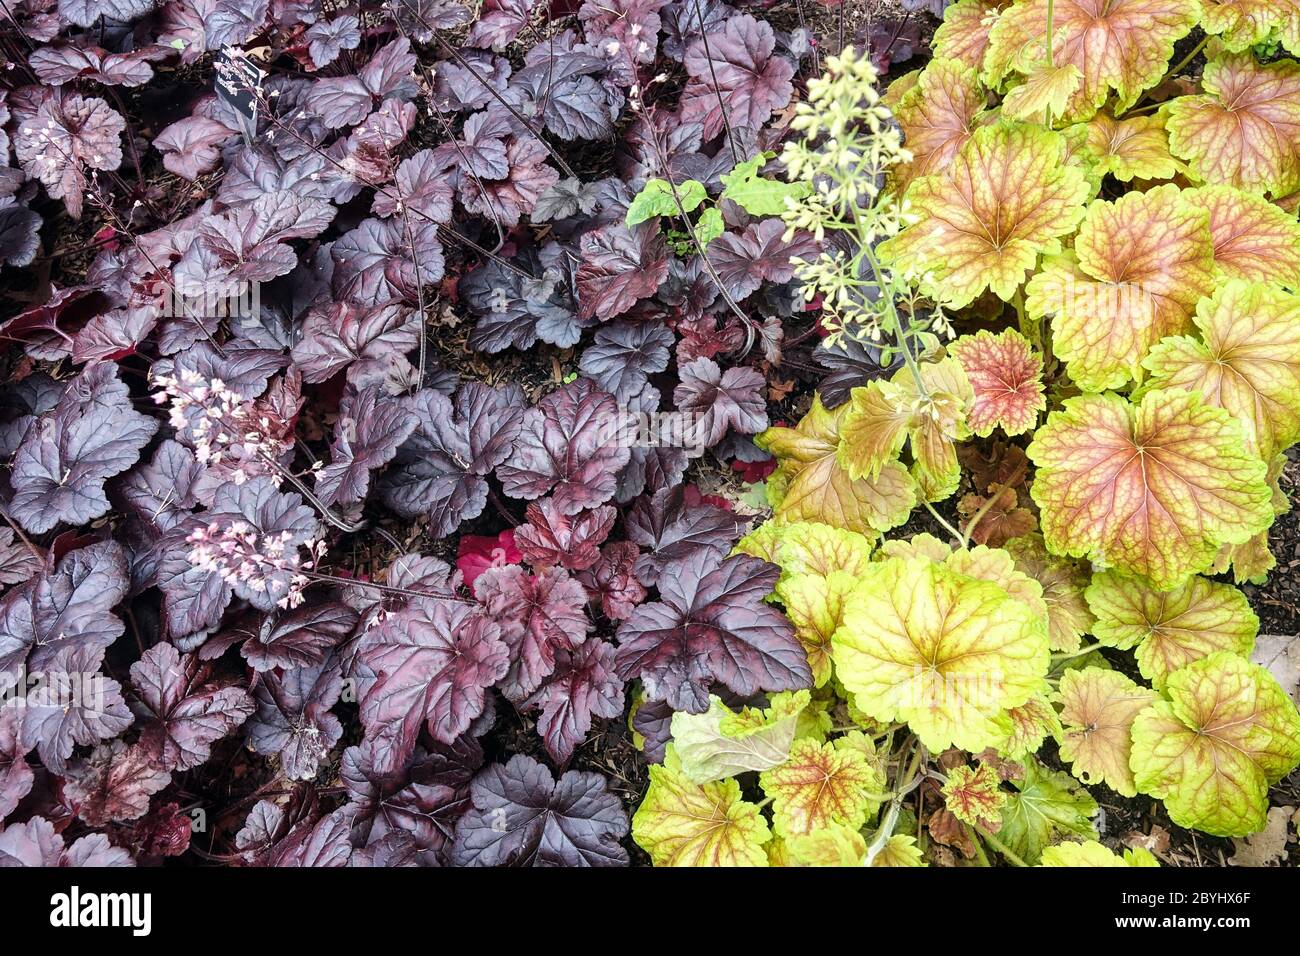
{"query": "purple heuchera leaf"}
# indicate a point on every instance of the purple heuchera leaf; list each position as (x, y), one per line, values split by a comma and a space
(433, 662)
(441, 470)
(19, 233)
(613, 582)
(114, 783)
(92, 434)
(181, 713)
(421, 18)
(739, 70)
(744, 261)
(571, 443)
(16, 776)
(539, 616)
(711, 625)
(582, 686)
(564, 90)
(270, 838)
(681, 23)
(192, 146)
(302, 637)
(293, 719)
(523, 817)
(499, 22)
(625, 354)
(161, 493)
(549, 538)
(59, 65)
(370, 428)
(85, 13)
(626, 29)
(69, 607)
(346, 100)
(366, 341)
(376, 263)
(619, 267)
(505, 199)
(672, 528)
(67, 135)
(718, 401)
(35, 843)
(76, 705)
(660, 460)
(468, 85)
(518, 306)
(653, 720)
(422, 801)
(421, 187)
(326, 39)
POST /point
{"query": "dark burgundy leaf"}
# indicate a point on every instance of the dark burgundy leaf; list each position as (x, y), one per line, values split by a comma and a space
(849, 364)
(114, 783)
(659, 455)
(628, 29)
(505, 199)
(377, 262)
(613, 582)
(326, 39)
(161, 493)
(15, 776)
(458, 87)
(499, 22)
(92, 434)
(433, 662)
(582, 686)
(192, 146)
(19, 233)
(539, 615)
(421, 18)
(744, 261)
(181, 712)
(293, 719)
(370, 428)
(619, 267)
(75, 704)
(302, 637)
(564, 90)
(85, 13)
(681, 23)
(738, 70)
(673, 527)
(420, 186)
(35, 843)
(571, 443)
(711, 625)
(625, 354)
(566, 198)
(550, 538)
(517, 306)
(19, 560)
(346, 100)
(717, 401)
(369, 342)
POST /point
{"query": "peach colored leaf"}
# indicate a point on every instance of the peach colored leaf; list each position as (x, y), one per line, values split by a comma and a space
(938, 115)
(1253, 239)
(964, 33)
(1128, 149)
(1099, 707)
(1007, 375)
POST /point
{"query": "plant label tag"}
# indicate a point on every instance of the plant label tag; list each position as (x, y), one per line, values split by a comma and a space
(239, 86)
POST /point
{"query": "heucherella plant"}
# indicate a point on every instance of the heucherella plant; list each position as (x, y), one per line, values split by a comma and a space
(1085, 281)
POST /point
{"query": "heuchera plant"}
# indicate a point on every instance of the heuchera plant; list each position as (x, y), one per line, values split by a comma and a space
(1086, 254)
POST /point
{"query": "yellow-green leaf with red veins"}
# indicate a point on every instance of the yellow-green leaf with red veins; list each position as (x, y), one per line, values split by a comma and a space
(964, 33)
(1099, 707)
(1120, 46)
(1138, 267)
(923, 545)
(810, 485)
(1252, 560)
(1045, 92)
(1244, 130)
(819, 785)
(944, 652)
(884, 414)
(815, 605)
(1128, 149)
(1007, 376)
(680, 823)
(997, 565)
(1170, 629)
(1063, 582)
(1153, 489)
(938, 115)
(1026, 727)
(1006, 198)
(833, 845)
(975, 796)
(1253, 238)
(1247, 361)
(1093, 853)
(899, 850)
(1210, 752)
(1240, 24)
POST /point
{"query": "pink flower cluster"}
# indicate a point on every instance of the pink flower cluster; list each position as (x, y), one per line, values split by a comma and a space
(258, 562)
(220, 423)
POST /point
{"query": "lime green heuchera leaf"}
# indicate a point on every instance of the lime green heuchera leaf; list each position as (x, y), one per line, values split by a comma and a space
(1253, 560)
(1045, 92)
(923, 545)
(1007, 377)
(1138, 267)
(1244, 130)
(975, 796)
(810, 485)
(943, 652)
(1253, 239)
(1063, 581)
(1153, 489)
(1006, 198)
(1211, 751)
(997, 565)
(1128, 149)
(885, 414)
(1247, 361)
(831, 845)
(964, 33)
(807, 547)
(1092, 853)
(1171, 629)
(1122, 46)
(815, 605)
(720, 743)
(680, 823)
(821, 784)
(1045, 806)
(656, 199)
(1240, 24)
(1099, 707)
(938, 114)
(899, 850)
(755, 194)
(1026, 727)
